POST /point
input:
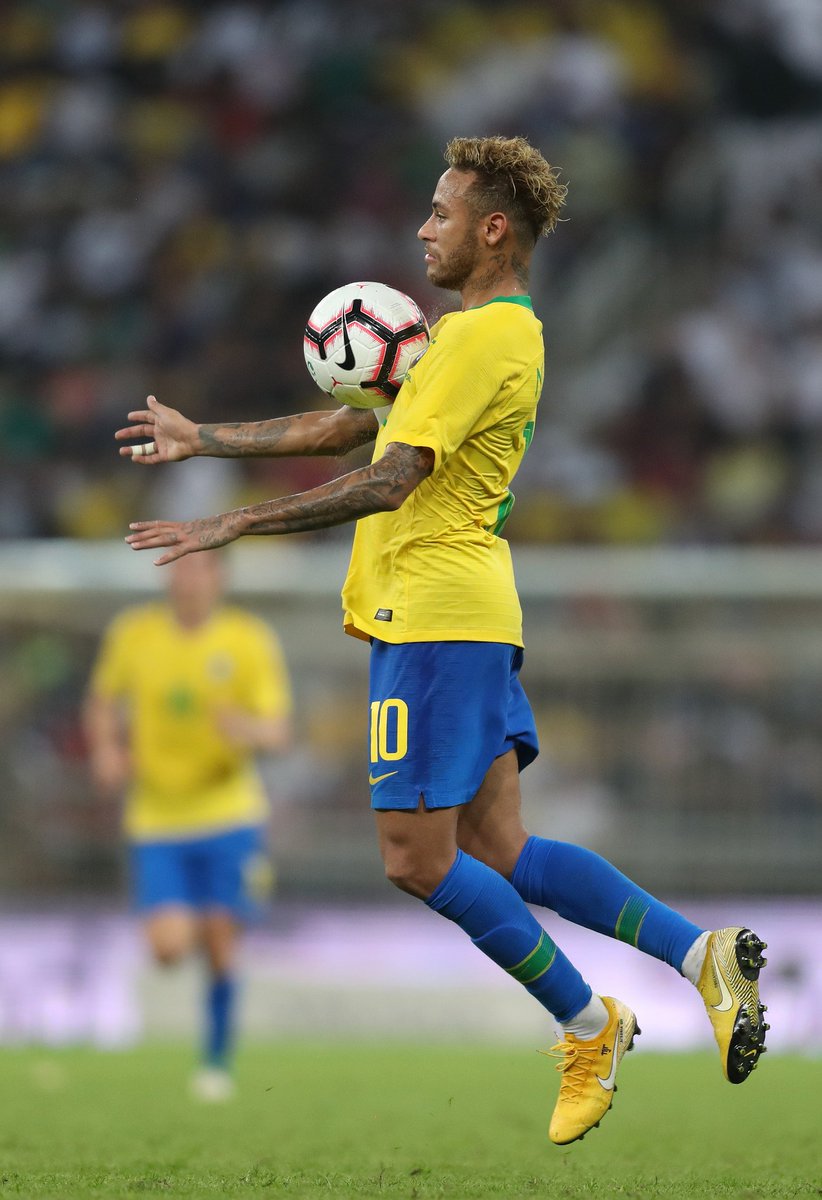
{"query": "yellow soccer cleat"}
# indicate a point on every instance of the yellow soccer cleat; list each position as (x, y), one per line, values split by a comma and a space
(589, 1074)
(729, 985)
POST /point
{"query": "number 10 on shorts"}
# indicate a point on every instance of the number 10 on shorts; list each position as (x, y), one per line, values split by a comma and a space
(389, 730)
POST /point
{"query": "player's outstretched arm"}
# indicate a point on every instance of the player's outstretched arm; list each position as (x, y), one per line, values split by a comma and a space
(167, 436)
(171, 436)
(382, 486)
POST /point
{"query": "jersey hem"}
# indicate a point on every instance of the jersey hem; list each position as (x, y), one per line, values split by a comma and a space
(365, 632)
(430, 802)
(180, 833)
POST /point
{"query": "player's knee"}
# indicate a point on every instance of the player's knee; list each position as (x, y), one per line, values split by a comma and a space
(412, 873)
(500, 853)
(170, 940)
(403, 869)
(168, 954)
(399, 870)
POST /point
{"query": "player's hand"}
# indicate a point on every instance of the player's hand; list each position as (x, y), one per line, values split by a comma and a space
(238, 727)
(248, 731)
(167, 435)
(183, 537)
(110, 768)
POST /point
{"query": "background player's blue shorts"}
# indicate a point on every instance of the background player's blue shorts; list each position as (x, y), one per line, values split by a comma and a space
(440, 713)
(223, 870)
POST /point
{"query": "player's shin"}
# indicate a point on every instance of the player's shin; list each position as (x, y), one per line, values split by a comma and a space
(495, 917)
(220, 1010)
(490, 911)
(586, 889)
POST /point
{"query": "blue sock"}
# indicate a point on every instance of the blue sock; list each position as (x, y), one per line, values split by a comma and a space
(586, 889)
(219, 1019)
(488, 909)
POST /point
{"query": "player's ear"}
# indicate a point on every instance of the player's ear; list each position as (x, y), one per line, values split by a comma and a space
(495, 227)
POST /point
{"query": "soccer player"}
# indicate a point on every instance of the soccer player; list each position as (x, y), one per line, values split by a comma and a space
(431, 587)
(184, 693)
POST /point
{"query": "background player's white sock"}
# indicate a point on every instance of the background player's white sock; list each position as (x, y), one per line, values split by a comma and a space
(589, 1021)
(694, 959)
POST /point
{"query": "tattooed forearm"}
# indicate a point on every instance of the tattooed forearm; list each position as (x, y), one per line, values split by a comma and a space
(252, 438)
(313, 433)
(381, 487)
(241, 438)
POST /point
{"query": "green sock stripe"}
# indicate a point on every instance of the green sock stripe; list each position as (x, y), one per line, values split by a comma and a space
(630, 921)
(537, 962)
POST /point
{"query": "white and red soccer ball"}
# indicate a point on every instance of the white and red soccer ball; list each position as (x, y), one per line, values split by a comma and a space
(360, 342)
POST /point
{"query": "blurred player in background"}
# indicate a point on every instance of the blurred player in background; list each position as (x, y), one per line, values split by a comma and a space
(431, 586)
(185, 692)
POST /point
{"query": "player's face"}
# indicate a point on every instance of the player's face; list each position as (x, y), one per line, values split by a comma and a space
(451, 233)
(195, 585)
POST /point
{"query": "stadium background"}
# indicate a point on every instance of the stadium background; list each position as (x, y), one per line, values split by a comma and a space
(181, 183)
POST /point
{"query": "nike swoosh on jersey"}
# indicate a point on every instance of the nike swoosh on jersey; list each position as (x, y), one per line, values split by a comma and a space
(727, 1000)
(372, 779)
(608, 1082)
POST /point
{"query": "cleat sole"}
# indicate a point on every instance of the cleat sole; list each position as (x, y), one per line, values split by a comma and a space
(729, 985)
(747, 1045)
(748, 1038)
(748, 950)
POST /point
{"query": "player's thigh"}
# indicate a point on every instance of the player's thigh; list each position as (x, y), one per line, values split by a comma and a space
(490, 827)
(418, 847)
(161, 884)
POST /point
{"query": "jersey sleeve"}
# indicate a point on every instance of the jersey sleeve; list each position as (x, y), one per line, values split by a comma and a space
(112, 671)
(268, 682)
(460, 375)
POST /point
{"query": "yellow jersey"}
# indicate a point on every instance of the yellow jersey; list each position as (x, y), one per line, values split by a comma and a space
(187, 776)
(438, 569)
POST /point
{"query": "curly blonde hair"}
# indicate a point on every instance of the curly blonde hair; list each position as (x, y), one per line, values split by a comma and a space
(512, 177)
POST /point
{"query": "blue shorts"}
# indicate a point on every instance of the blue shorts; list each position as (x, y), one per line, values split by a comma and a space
(440, 713)
(226, 870)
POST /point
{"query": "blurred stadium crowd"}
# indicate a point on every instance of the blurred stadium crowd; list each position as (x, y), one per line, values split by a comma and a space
(181, 183)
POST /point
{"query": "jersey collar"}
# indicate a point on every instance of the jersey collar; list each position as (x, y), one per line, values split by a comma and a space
(523, 301)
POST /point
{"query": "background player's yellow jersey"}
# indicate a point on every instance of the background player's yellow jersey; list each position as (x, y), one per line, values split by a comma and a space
(438, 569)
(174, 681)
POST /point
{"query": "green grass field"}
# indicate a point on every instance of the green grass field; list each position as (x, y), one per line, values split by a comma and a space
(333, 1120)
